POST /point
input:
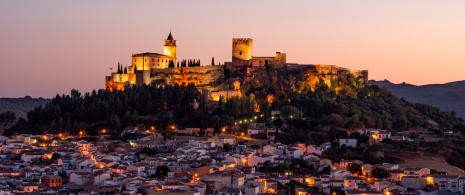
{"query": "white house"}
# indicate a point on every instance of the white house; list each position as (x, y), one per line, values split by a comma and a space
(348, 142)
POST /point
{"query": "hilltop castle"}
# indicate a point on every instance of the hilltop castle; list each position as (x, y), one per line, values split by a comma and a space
(164, 69)
(142, 64)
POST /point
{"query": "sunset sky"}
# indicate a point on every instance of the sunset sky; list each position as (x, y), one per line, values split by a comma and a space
(50, 47)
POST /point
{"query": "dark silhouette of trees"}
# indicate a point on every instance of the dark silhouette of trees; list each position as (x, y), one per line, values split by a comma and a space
(162, 171)
(380, 173)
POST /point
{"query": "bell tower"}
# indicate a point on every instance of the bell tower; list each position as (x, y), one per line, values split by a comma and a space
(170, 48)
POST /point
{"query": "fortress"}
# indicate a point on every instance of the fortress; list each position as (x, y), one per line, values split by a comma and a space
(164, 69)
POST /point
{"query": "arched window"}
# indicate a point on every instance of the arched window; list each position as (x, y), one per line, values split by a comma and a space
(240, 53)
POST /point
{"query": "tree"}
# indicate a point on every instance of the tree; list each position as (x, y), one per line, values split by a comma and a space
(380, 173)
(227, 147)
(171, 64)
(162, 171)
(354, 168)
(226, 72)
(213, 61)
(278, 123)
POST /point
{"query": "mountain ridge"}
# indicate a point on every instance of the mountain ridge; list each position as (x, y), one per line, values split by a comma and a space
(448, 96)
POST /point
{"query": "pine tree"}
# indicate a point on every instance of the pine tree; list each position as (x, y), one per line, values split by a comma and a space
(177, 65)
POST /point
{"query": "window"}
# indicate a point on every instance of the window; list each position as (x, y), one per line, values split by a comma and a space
(158, 59)
(240, 53)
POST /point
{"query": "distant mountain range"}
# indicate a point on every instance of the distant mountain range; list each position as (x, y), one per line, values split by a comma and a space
(448, 96)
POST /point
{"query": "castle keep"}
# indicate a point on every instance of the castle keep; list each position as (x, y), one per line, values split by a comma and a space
(163, 69)
(242, 55)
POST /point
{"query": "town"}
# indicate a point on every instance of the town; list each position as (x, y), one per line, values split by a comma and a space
(224, 164)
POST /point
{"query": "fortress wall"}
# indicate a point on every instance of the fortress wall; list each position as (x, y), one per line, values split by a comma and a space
(124, 77)
(199, 75)
(195, 69)
(143, 77)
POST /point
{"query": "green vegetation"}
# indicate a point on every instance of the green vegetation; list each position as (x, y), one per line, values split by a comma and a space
(355, 168)
(7, 117)
(311, 115)
(227, 147)
(112, 110)
(380, 173)
(151, 151)
(162, 171)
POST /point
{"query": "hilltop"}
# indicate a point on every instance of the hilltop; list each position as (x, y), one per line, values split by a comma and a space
(447, 96)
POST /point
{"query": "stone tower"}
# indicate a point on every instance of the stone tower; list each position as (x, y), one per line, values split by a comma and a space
(241, 48)
(170, 48)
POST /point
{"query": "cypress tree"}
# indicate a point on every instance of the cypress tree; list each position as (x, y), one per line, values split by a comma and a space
(213, 61)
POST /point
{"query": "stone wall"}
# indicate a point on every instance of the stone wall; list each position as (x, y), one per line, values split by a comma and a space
(199, 75)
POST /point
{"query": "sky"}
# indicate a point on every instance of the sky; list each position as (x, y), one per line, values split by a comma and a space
(50, 47)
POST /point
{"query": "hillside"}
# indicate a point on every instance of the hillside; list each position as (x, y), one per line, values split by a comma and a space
(20, 106)
(448, 96)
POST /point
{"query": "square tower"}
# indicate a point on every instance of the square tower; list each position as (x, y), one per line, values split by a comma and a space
(242, 48)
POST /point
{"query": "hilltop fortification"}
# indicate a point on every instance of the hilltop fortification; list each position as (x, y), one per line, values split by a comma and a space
(228, 79)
